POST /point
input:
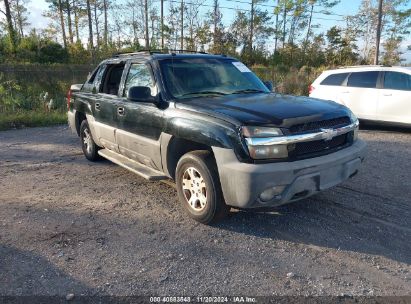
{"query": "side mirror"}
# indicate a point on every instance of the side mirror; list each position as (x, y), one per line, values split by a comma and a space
(269, 85)
(140, 94)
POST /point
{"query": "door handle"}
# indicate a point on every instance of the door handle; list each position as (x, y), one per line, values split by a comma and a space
(97, 106)
(345, 92)
(120, 111)
(387, 94)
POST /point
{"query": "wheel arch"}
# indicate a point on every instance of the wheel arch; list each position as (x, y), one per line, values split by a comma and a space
(175, 148)
(80, 116)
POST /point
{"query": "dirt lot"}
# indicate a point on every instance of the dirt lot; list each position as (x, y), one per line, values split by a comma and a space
(71, 226)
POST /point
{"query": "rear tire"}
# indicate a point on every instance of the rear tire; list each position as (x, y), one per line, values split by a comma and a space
(90, 149)
(198, 187)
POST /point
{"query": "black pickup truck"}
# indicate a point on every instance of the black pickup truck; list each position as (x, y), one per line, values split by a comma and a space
(211, 125)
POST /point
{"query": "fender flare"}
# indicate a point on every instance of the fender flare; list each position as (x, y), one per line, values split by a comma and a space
(183, 135)
(203, 132)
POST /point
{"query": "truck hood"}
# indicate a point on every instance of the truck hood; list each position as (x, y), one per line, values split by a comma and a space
(266, 109)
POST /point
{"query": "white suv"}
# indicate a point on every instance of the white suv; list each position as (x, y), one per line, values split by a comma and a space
(376, 93)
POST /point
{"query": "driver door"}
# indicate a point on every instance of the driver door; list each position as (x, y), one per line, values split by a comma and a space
(140, 124)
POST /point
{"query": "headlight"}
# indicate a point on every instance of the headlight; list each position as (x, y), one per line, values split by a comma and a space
(265, 152)
(357, 127)
(353, 117)
(261, 132)
(356, 123)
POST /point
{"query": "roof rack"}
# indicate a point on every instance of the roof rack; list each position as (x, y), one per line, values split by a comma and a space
(365, 65)
(119, 54)
(161, 51)
(186, 51)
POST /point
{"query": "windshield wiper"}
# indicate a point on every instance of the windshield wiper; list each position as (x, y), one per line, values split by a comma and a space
(246, 91)
(204, 93)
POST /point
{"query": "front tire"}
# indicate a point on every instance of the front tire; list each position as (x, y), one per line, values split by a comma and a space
(198, 187)
(90, 149)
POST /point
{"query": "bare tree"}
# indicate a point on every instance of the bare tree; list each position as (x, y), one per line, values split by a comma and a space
(90, 30)
(69, 25)
(276, 12)
(63, 28)
(173, 28)
(96, 23)
(378, 38)
(10, 28)
(311, 2)
(162, 23)
(394, 24)
(146, 36)
(250, 43)
(215, 21)
(154, 18)
(134, 24)
(284, 22)
(19, 15)
(76, 11)
(105, 8)
(182, 25)
(193, 23)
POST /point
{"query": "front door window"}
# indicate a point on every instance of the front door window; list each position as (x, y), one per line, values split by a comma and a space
(139, 75)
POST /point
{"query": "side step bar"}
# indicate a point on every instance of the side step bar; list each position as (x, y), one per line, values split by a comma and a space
(133, 166)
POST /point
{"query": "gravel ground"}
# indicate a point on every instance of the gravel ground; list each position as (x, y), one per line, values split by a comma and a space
(71, 226)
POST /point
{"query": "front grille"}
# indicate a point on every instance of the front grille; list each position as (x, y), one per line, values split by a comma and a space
(316, 148)
(317, 125)
(320, 147)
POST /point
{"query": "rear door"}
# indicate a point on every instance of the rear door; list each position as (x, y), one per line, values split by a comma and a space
(330, 87)
(105, 106)
(102, 119)
(140, 124)
(395, 98)
(361, 94)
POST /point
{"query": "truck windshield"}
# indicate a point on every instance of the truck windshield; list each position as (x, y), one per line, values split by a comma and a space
(198, 77)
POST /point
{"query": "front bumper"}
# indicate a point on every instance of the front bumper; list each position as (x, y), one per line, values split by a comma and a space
(243, 183)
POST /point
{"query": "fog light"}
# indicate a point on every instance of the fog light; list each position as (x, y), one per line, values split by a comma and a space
(270, 193)
(266, 152)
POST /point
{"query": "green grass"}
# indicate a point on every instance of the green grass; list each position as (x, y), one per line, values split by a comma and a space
(31, 119)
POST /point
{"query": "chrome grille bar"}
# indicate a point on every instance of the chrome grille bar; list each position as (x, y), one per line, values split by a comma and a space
(324, 134)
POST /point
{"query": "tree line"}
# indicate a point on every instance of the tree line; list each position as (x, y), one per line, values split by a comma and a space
(261, 32)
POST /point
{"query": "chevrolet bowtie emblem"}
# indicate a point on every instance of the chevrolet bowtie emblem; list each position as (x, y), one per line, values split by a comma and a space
(329, 134)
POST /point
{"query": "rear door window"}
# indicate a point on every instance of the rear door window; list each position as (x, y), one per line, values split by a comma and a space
(334, 79)
(92, 76)
(363, 79)
(110, 83)
(397, 81)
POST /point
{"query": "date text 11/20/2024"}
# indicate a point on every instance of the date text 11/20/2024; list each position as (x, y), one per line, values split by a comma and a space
(203, 299)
